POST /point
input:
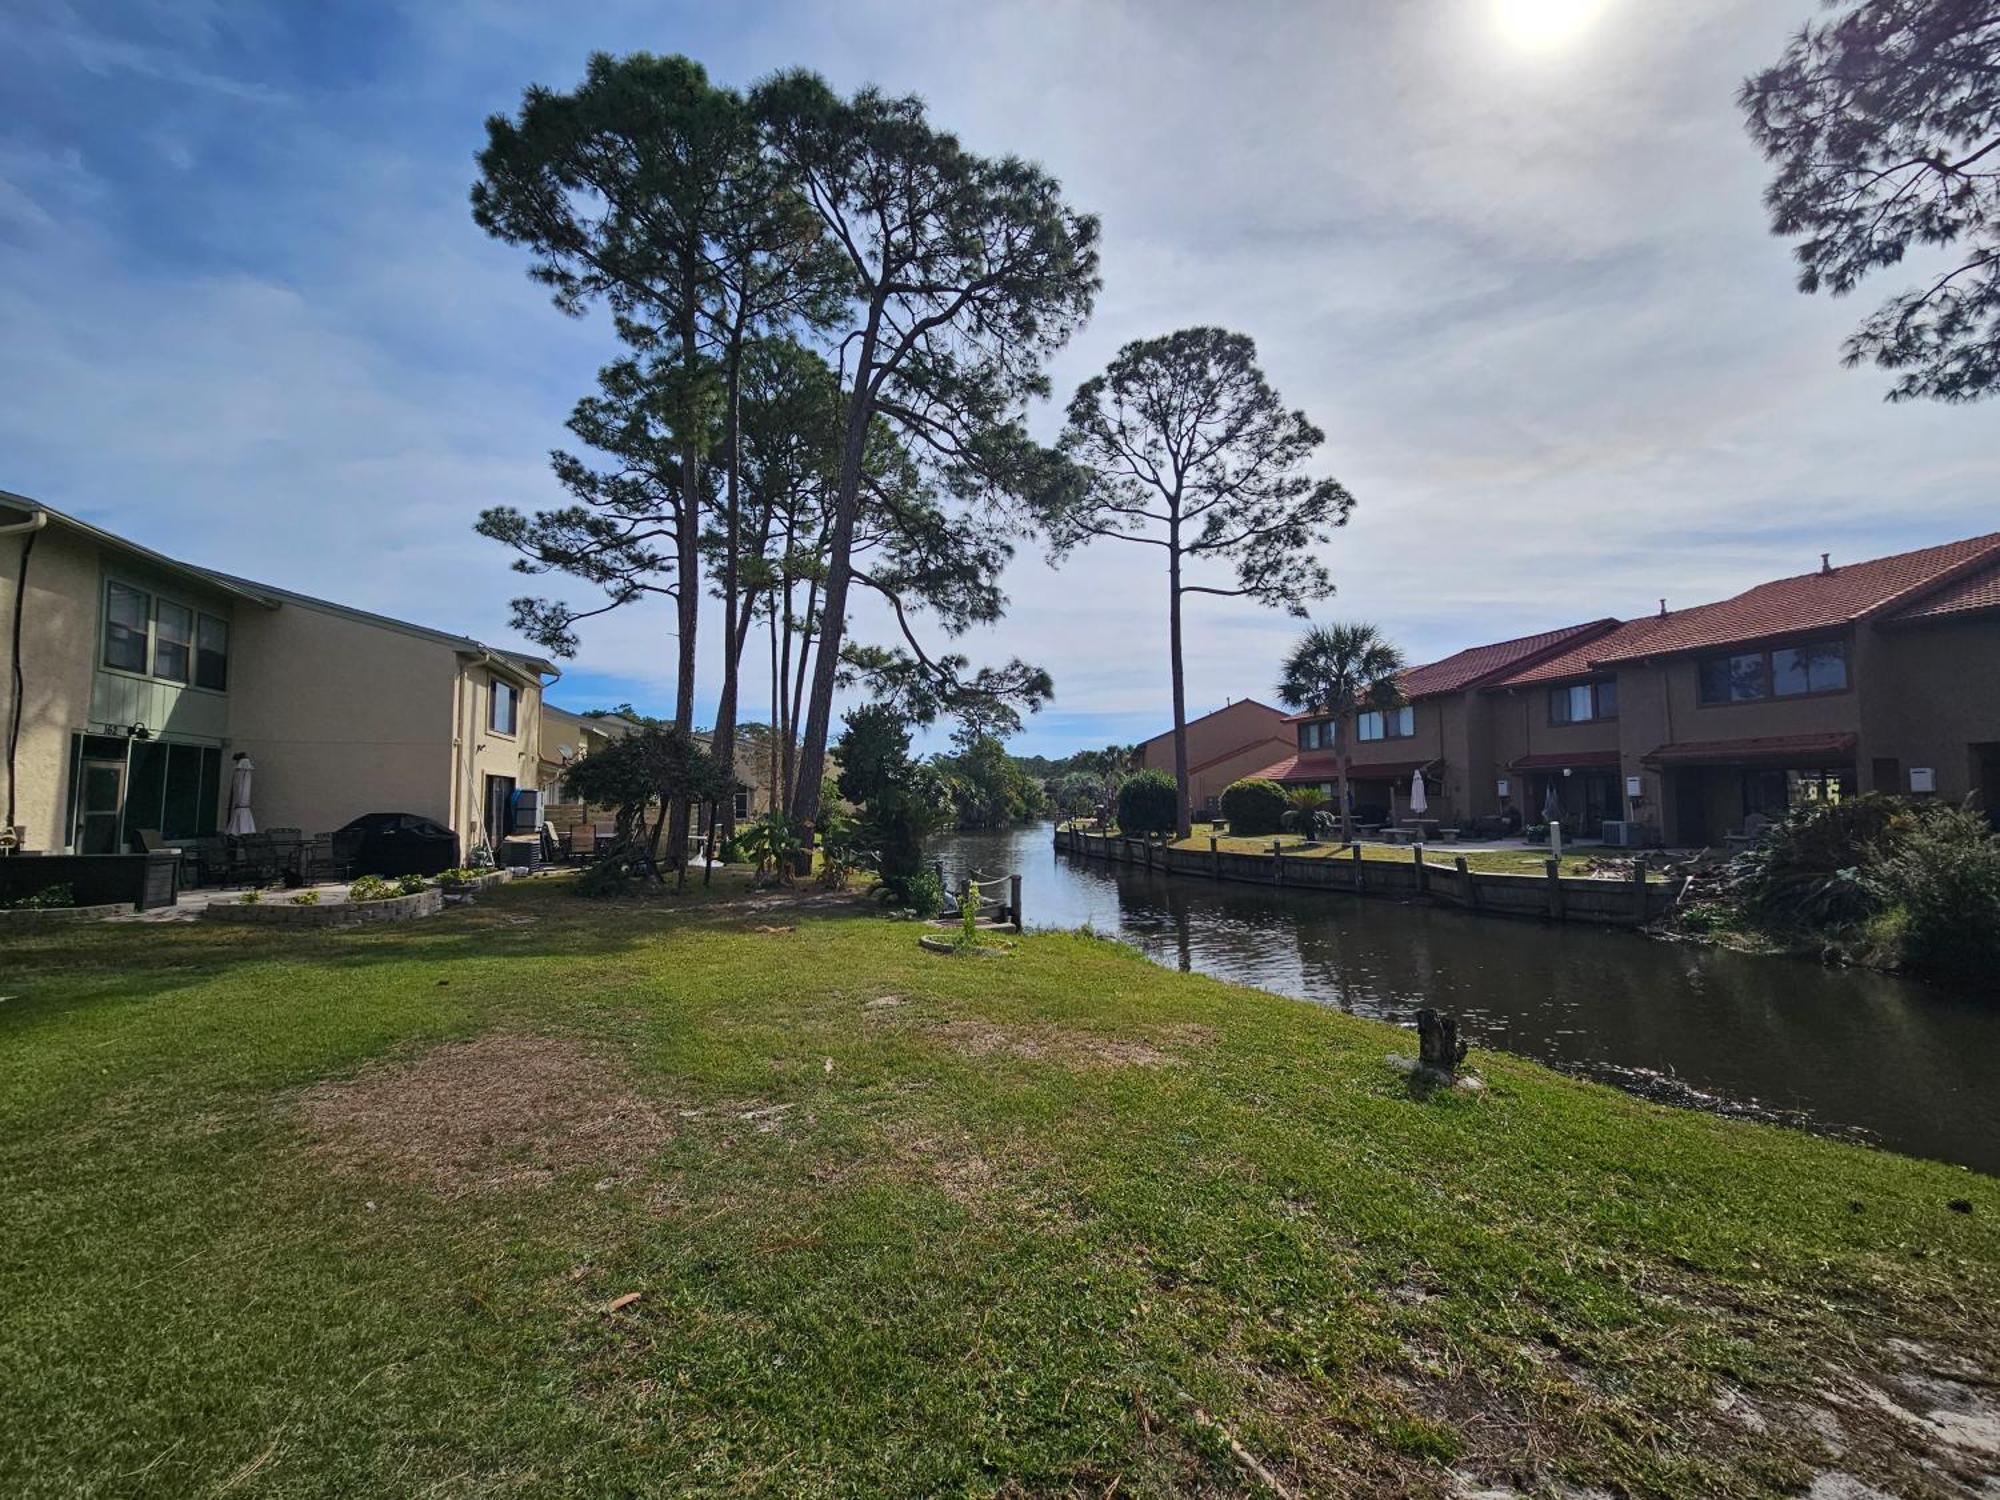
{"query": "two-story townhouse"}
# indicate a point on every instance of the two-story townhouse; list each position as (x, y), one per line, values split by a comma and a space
(1877, 675)
(1881, 675)
(1442, 729)
(132, 681)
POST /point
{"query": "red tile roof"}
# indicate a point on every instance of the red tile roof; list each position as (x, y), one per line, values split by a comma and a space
(1475, 664)
(1326, 767)
(1811, 601)
(1580, 659)
(1800, 749)
(1978, 590)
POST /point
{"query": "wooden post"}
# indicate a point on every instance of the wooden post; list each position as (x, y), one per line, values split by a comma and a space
(1638, 890)
(1014, 900)
(1440, 1049)
(1423, 871)
(1215, 856)
(1360, 880)
(1277, 863)
(965, 895)
(1468, 892)
(1147, 845)
(1554, 867)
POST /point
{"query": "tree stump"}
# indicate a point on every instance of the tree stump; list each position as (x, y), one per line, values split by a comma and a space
(1440, 1049)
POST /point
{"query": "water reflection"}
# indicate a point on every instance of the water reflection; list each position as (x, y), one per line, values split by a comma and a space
(1849, 1049)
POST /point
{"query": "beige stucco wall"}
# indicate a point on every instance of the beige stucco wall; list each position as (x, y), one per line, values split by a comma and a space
(58, 652)
(483, 751)
(341, 717)
(1245, 736)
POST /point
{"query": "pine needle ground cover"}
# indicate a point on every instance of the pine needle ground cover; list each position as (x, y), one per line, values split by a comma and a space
(748, 1195)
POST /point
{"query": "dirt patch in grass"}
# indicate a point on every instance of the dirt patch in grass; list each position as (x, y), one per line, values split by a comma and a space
(500, 1111)
(1070, 1048)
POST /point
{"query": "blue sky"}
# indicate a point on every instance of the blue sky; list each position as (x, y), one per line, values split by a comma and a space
(245, 316)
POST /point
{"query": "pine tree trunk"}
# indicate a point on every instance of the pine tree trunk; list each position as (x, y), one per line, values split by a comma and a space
(1183, 825)
(839, 573)
(686, 544)
(722, 744)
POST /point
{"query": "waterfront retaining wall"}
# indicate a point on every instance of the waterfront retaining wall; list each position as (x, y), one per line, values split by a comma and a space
(1570, 898)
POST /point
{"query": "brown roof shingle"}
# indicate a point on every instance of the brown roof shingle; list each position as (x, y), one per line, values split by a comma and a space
(1977, 590)
(1475, 664)
(1810, 601)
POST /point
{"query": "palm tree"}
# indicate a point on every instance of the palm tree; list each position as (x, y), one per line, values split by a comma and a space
(1339, 670)
(1110, 765)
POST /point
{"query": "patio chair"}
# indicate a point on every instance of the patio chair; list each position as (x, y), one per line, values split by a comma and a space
(318, 862)
(582, 844)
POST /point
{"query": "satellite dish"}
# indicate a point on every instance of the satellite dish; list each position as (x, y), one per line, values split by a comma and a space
(565, 751)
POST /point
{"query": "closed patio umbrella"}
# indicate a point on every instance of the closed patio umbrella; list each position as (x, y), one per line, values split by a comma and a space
(1419, 802)
(240, 821)
(1552, 808)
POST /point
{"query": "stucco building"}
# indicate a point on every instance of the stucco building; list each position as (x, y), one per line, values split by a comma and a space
(1880, 675)
(1222, 747)
(132, 680)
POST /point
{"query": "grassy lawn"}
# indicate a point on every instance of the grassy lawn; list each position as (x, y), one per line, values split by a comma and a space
(1486, 861)
(547, 1196)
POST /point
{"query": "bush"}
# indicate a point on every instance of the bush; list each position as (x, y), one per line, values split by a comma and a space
(1254, 806)
(463, 875)
(48, 896)
(1944, 876)
(921, 891)
(409, 885)
(369, 888)
(306, 898)
(1149, 803)
(1814, 867)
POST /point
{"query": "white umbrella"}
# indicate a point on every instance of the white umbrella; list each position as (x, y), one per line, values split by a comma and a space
(240, 821)
(1552, 808)
(1418, 801)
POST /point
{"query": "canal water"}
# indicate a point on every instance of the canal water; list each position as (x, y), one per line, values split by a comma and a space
(1844, 1051)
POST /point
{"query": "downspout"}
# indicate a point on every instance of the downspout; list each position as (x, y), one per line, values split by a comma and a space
(27, 530)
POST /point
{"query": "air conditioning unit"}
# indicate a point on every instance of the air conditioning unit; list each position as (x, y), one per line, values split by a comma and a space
(1624, 835)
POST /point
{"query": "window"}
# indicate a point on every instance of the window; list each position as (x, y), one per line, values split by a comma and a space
(1583, 703)
(126, 612)
(211, 653)
(1788, 672)
(741, 803)
(1387, 724)
(1316, 736)
(173, 642)
(1735, 679)
(505, 709)
(1818, 668)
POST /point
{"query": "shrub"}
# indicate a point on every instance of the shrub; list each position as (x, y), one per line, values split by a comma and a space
(921, 891)
(252, 897)
(463, 875)
(1309, 816)
(63, 894)
(409, 885)
(1254, 806)
(306, 898)
(371, 888)
(1944, 876)
(1813, 868)
(1149, 803)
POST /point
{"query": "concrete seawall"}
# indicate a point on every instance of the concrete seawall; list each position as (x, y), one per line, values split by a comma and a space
(1617, 903)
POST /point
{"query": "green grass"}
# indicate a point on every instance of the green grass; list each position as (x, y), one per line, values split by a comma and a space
(1007, 1234)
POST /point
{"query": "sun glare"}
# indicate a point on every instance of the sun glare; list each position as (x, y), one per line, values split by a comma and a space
(1544, 25)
